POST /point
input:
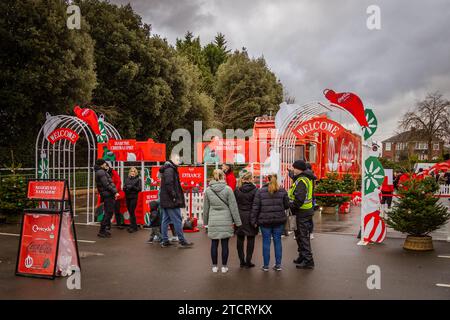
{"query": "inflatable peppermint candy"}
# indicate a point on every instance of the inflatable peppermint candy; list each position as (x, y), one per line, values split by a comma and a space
(374, 227)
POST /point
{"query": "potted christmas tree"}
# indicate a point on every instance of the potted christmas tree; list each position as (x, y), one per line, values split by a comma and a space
(331, 184)
(418, 213)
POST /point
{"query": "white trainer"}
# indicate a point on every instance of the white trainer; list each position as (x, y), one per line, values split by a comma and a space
(215, 269)
(224, 269)
(311, 236)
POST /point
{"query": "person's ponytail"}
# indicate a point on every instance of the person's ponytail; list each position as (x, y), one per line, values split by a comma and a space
(273, 184)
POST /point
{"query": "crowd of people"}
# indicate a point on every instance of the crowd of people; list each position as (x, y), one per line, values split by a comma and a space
(231, 207)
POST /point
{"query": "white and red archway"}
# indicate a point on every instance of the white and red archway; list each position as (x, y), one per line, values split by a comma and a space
(293, 120)
(56, 149)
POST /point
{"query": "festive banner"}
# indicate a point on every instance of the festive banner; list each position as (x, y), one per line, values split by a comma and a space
(223, 151)
(374, 228)
(132, 150)
(142, 211)
(46, 190)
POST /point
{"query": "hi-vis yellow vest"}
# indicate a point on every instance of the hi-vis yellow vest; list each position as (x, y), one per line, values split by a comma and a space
(309, 187)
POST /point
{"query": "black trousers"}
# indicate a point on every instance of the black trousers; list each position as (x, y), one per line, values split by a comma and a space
(302, 236)
(215, 249)
(250, 247)
(117, 214)
(108, 213)
(131, 206)
(387, 200)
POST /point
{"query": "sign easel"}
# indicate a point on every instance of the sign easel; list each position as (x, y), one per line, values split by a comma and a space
(48, 243)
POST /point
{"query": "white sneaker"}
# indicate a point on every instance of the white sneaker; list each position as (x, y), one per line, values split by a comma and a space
(224, 269)
(174, 239)
(311, 236)
(215, 269)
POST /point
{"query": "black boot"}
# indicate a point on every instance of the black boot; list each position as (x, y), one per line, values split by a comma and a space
(298, 260)
(305, 265)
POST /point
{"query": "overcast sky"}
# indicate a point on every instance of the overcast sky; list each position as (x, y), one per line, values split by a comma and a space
(318, 44)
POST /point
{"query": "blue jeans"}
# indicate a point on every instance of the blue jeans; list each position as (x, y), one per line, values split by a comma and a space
(267, 234)
(172, 215)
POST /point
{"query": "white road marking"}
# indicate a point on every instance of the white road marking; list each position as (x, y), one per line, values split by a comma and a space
(18, 235)
(441, 256)
(443, 285)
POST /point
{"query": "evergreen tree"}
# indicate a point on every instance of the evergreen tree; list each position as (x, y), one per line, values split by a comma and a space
(245, 89)
(216, 53)
(331, 184)
(418, 212)
(45, 67)
(191, 48)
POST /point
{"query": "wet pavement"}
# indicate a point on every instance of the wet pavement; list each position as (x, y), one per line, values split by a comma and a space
(125, 267)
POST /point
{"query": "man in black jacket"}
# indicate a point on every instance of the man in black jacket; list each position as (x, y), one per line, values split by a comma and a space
(300, 196)
(108, 194)
(171, 199)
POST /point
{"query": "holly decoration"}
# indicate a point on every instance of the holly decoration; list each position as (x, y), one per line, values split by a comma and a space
(374, 174)
(373, 124)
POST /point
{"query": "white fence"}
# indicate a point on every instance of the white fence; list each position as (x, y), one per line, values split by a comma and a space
(197, 206)
(444, 189)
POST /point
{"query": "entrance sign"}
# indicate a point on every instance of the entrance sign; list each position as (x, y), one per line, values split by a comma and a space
(48, 245)
(189, 176)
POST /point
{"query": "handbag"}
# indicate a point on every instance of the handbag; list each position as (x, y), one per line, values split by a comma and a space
(291, 221)
(188, 224)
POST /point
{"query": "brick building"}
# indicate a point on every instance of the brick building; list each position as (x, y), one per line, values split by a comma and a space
(405, 144)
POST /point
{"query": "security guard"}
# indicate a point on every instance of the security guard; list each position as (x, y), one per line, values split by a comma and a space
(301, 204)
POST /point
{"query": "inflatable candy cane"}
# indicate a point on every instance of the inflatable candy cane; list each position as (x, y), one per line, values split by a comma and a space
(372, 226)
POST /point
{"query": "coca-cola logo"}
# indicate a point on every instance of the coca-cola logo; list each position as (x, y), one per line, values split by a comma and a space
(40, 248)
(37, 228)
(346, 153)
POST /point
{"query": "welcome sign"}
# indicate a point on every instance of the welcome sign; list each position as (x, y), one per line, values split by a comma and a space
(321, 124)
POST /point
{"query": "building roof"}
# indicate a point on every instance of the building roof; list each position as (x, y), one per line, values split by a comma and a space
(411, 135)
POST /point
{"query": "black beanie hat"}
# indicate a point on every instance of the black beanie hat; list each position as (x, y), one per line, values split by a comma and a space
(100, 162)
(299, 164)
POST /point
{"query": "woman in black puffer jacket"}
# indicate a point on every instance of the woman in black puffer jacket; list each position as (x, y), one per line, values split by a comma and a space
(132, 187)
(245, 194)
(269, 213)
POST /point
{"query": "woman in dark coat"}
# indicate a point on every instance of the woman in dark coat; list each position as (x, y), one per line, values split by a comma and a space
(245, 194)
(268, 212)
(132, 187)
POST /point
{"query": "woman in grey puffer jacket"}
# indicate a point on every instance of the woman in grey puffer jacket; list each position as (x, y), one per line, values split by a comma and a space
(220, 211)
